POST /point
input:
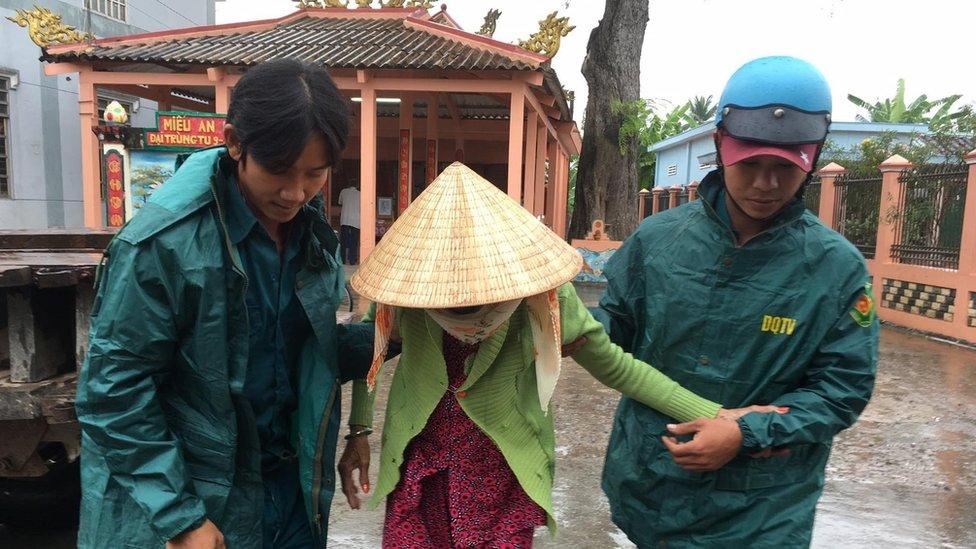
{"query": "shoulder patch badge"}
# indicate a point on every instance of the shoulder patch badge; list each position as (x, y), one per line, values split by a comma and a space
(863, 310)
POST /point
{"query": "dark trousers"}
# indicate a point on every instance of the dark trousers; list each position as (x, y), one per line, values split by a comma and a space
(349, 242)
(286, 524)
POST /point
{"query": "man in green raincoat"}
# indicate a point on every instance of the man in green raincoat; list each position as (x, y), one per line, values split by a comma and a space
(209, 401)
(743, 297)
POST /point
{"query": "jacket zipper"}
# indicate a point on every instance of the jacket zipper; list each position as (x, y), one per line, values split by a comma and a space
(317, 462)
(227, 243)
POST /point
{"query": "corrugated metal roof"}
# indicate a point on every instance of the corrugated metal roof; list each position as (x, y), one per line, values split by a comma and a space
(335, 42)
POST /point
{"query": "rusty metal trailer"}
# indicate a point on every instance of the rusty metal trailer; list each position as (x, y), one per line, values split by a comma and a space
(46, 294)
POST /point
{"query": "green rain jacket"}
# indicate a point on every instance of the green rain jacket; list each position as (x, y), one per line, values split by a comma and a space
(168, 437)
(786, 319)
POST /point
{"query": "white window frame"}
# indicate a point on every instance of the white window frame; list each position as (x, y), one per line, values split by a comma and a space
(113, 9)
(8, 81)
(672, 170)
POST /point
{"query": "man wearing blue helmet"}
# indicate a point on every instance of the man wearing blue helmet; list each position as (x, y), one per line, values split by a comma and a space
(745, 298)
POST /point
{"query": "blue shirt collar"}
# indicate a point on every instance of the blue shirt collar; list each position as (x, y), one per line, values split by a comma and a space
(240, 218)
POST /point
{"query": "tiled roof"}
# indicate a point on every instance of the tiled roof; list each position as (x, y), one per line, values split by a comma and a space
(327, 37)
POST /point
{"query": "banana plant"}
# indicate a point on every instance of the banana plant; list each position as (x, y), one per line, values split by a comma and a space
(896, 110)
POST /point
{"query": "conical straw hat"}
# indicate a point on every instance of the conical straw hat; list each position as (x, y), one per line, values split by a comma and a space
(462, 243)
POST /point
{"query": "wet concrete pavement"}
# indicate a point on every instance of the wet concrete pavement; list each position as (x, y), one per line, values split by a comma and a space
(903, 476)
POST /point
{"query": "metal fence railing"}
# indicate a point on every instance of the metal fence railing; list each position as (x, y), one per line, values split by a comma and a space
(811, 196)
(928, 225)
(647, 203)
(857, 204)
(663, 201)
(683, 196)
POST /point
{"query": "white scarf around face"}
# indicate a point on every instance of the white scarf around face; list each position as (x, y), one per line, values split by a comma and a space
(544, 321)
(478, 326)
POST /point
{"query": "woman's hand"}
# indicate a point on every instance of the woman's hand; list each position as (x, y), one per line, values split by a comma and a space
(714, 443)
(355, 457)
(205, 536)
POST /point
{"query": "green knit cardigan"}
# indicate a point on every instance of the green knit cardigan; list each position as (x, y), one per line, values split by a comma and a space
(500, 393)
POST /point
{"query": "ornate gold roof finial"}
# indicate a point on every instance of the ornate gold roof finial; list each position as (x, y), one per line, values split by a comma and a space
(46, 28)
(549, 36)
(422, 4)
(491, 21)
(302, 4)
(364, 4)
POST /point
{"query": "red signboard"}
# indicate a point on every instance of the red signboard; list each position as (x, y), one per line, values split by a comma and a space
(431, 159)
(403, 158)
(178, 130)
(115, 175)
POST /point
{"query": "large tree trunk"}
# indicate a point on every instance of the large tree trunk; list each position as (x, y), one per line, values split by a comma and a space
(606, 183)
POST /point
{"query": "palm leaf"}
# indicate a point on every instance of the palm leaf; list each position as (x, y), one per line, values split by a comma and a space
(897, 113)
(871, 108)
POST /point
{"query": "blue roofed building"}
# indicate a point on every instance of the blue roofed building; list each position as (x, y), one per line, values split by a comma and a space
(690, 155)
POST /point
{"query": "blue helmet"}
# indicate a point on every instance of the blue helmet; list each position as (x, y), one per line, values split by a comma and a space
(776, 100)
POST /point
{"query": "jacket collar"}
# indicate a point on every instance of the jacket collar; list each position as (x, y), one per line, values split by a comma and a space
(183, 194)
(240, 219)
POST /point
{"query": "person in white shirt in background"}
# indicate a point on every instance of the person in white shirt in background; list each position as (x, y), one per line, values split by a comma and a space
(349, 224)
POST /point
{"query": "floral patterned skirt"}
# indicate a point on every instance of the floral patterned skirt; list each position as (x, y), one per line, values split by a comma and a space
(456, 489)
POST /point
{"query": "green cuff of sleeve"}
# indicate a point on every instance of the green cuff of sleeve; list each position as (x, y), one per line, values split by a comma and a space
(685, 405)
(189, 519)
(750, 442)
(361, 409)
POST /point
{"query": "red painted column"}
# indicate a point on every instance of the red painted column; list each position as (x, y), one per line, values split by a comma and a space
(529, 179)
(90, 153)
(367, 173)
(516, 130)
(405, 154)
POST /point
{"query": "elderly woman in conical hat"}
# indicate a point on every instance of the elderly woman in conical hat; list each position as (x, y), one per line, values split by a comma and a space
(477, 293)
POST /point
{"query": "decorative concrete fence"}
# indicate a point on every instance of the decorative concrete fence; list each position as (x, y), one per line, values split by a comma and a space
(659, 199)
(916, 226)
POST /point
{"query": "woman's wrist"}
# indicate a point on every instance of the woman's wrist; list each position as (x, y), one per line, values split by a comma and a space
(356, 431)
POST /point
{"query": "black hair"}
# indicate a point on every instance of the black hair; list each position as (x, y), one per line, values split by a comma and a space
(277, 106)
